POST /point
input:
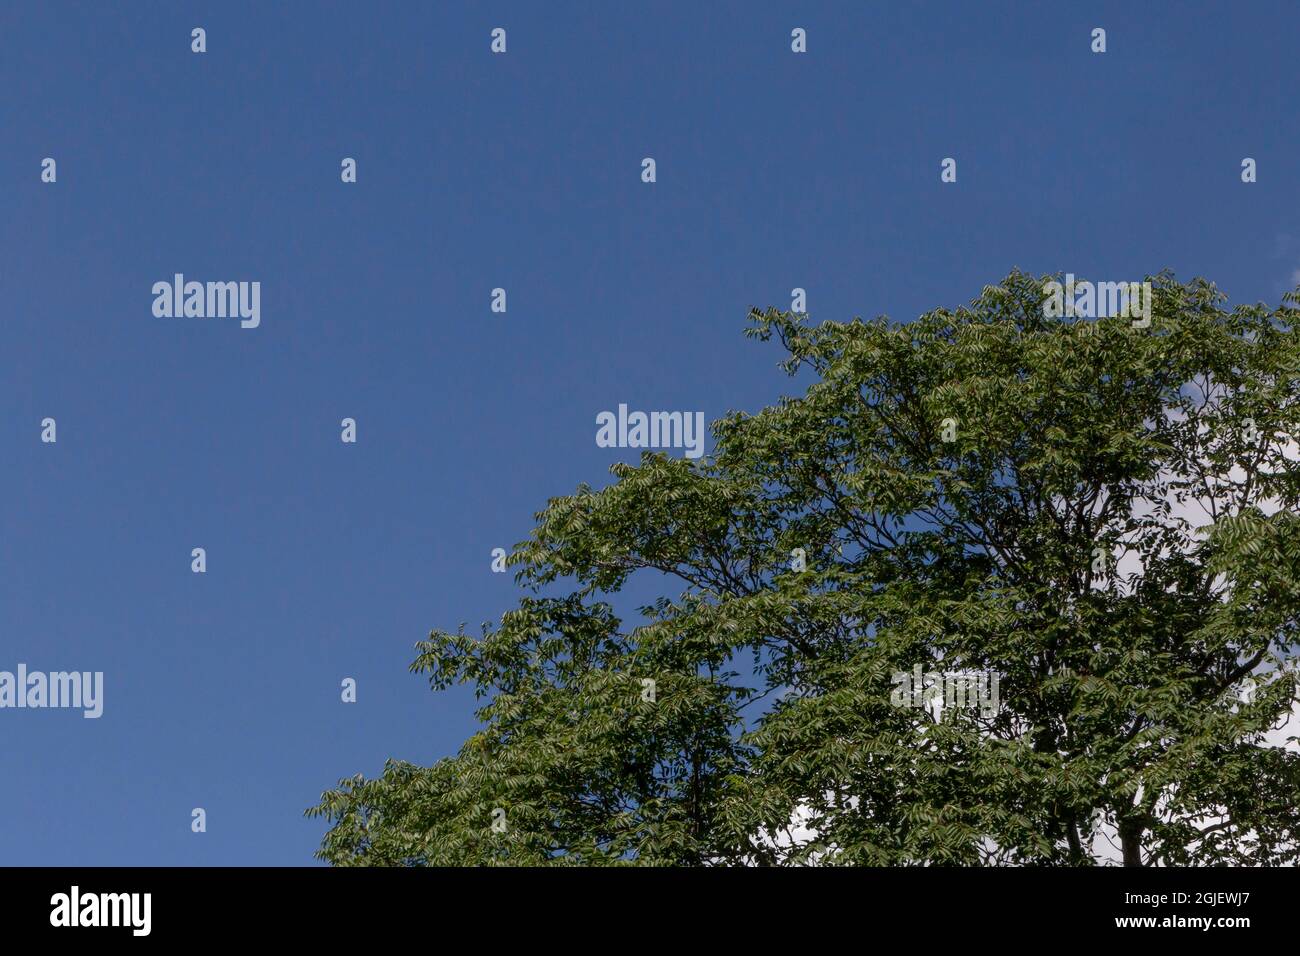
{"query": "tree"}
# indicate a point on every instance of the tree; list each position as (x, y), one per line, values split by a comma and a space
(1101, 515)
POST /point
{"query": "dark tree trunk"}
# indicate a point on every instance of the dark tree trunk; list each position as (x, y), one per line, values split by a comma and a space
(1130, 838)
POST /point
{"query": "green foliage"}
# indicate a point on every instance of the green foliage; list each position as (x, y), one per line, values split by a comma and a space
(772, 701)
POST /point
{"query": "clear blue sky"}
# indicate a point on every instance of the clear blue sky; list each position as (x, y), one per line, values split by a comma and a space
(328, 560)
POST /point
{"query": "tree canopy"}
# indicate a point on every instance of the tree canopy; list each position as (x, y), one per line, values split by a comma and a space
(1102, 515)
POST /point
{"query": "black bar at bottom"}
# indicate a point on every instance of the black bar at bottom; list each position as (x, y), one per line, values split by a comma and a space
(306, 905)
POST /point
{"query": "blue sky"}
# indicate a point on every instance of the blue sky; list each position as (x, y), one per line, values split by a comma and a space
(328, 560)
